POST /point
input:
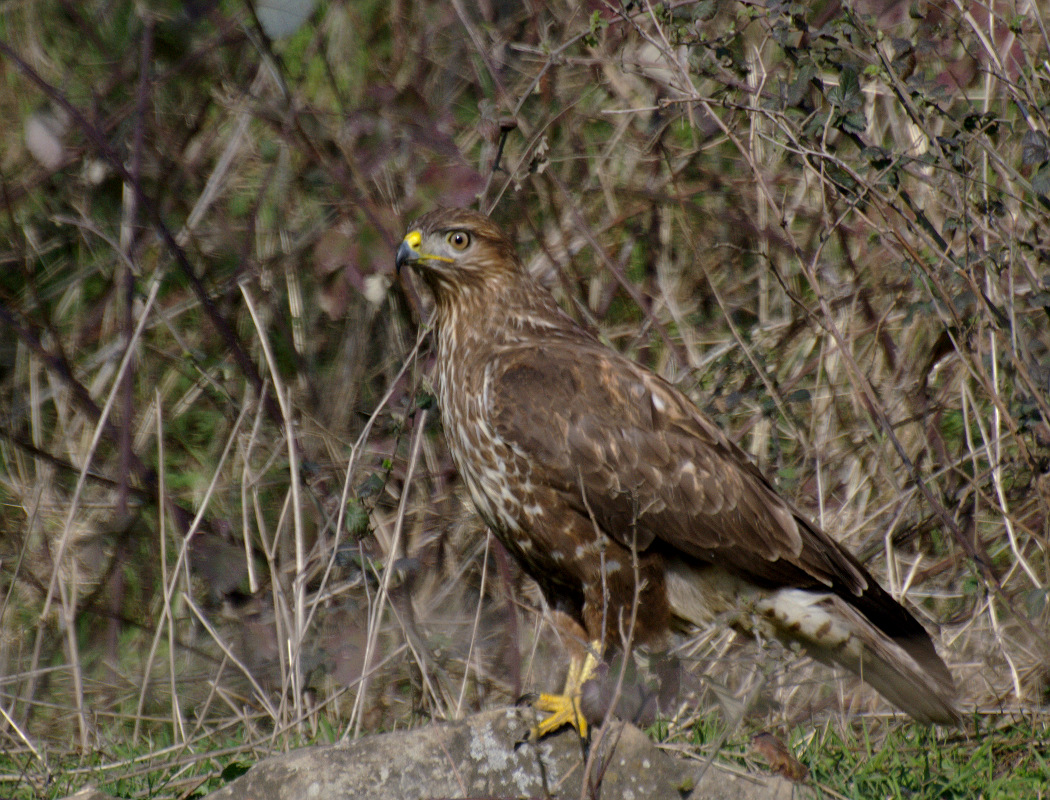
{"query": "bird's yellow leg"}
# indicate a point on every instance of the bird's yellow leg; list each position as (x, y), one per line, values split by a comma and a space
(564, 709)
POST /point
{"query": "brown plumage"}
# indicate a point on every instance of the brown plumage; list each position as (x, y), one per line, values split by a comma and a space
(609, 486)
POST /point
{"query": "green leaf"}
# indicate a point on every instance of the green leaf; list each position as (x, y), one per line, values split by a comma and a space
(855, 122)
(234, 770)
(356, 519)
(847, 95)
(1035, 148)
(1041, 181)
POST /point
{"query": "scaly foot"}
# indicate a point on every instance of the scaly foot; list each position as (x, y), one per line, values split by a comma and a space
(564, 709)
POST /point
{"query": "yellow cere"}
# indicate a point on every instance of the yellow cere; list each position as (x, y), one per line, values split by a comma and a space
(414, 239)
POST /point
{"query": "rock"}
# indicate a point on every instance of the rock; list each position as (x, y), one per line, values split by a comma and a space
(477, 757)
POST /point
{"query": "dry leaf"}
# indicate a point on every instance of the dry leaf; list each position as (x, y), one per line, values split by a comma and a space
(779, 757)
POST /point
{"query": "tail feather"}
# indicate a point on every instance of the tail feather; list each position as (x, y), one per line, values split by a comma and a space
(872, 635)
(906, 671)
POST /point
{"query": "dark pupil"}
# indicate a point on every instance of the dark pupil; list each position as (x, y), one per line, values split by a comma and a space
(457, 238)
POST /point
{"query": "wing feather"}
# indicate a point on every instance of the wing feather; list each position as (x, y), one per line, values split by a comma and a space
(629, 449)
(632, 450)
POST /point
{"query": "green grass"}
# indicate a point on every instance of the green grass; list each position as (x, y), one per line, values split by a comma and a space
(908, 761)
(869, 759)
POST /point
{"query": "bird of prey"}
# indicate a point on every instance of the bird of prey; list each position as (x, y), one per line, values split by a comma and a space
(630, 508)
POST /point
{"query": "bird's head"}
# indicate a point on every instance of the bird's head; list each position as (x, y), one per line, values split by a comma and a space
(457, 252)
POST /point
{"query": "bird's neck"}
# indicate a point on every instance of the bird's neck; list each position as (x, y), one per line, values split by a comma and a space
(474, 327)
(497, 316)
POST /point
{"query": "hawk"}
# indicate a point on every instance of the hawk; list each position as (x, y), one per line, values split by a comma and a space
(629, 507)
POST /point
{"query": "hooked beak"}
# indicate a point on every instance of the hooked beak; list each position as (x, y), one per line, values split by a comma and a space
(408, 252)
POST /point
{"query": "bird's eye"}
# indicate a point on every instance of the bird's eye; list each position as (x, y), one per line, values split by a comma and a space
(460, 240)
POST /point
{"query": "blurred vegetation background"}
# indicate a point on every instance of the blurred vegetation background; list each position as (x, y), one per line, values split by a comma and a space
(228, 520)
